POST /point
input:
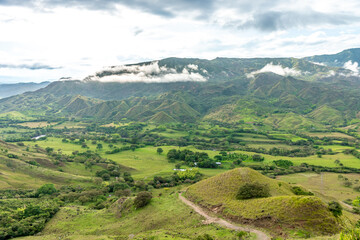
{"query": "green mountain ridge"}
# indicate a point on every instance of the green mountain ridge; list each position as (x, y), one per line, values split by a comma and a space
(229, 95)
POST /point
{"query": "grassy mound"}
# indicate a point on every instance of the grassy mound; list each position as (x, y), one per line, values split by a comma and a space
(282, 212)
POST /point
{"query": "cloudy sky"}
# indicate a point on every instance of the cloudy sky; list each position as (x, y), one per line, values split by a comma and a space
(48, 39)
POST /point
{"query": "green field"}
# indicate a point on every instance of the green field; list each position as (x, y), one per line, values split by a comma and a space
(325, 184)
(147, 163)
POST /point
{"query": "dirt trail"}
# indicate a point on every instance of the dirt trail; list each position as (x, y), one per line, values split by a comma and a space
(260, 235)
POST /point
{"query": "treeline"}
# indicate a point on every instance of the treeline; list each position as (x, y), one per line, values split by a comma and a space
(285, 168)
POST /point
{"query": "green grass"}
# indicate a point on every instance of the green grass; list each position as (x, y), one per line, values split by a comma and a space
(166, 217)
(286, 136)
(330, 135)
(172, 134)
(79, 169)
(14, 115)
(269, 146)
(69, 147)
(10, 179)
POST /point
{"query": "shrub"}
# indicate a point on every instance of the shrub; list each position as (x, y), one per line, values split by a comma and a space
(347, 183)
(253, 190)
(46, 189)
(335, 208)
(205, 237)
(242, 235)
(283, 163)
(257, 158)
(299, 191)
(142, 199)
(159, 150)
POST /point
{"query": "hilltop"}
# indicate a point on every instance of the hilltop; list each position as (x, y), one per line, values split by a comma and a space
(281, 212)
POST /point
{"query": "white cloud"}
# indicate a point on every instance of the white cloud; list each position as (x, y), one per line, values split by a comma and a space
(147, 73)
(331, 73)
(352, 66)
(277, 69)
(318, 63)
(193, 67)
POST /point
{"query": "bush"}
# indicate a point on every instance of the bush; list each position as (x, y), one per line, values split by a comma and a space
(253, 190)
(283, 163)
(46, 189)
(242, 235)
(257, 158)
(335, 208)
(299, 191)
(205, 237)
(142, 199)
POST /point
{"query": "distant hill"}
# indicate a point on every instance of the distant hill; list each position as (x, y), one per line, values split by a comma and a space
(338, 59)
(282, 210)
(7, 90)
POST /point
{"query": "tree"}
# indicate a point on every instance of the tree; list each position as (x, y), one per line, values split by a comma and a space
(142, 199)
(159, 151)
(99, 146)
(106, 177)
(49, 149)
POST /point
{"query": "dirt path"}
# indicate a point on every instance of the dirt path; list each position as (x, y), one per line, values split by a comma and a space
(260, 235)
(346, 205)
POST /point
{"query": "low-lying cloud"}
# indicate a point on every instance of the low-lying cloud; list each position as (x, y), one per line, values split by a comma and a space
(352, 66)
(277, 69)
(148, 73)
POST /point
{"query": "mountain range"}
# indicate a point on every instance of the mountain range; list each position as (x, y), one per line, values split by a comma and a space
(277, 92)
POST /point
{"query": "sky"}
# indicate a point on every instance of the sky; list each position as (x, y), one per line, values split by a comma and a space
(45, 40)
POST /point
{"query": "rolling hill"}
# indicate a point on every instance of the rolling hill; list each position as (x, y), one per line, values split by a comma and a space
(282, 210)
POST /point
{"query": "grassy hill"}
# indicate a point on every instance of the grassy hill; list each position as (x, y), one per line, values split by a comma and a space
(281, 212)
(22, 168)
(327, 115)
